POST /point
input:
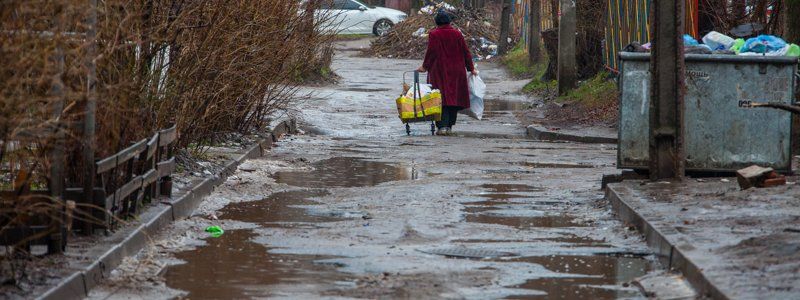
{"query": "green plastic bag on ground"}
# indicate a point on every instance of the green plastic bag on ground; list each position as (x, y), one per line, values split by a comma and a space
(794, 50)
(215, 231)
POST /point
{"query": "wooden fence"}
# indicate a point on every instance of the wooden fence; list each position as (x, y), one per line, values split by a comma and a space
(627, 21)
(133, 176)
(521, 17)
(125, 182)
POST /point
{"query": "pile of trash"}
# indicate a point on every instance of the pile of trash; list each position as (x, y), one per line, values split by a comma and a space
(718, 43)
(409, 39)
(431, 8)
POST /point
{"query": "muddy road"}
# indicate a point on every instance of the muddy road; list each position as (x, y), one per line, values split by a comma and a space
(354, 208)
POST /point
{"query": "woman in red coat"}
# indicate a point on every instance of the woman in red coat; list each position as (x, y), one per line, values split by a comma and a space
(448, 60)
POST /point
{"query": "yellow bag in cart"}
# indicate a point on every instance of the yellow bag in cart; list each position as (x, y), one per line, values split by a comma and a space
(419, 104)
(428, 108)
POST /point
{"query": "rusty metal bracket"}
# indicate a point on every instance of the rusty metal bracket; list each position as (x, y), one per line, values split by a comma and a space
(796, 81)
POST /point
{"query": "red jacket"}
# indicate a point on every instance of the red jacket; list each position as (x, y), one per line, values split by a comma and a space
(447, 61)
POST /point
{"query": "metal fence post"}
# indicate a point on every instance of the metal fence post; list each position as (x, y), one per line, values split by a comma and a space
(667, 89)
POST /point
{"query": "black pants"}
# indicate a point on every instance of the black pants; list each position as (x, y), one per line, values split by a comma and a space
(449, 116)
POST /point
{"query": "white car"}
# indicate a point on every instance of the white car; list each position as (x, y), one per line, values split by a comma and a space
(353, 17)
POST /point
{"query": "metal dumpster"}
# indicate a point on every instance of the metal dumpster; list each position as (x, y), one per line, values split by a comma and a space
(720, 135)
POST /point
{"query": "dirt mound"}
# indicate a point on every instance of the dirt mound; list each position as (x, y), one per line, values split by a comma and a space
(409, 39)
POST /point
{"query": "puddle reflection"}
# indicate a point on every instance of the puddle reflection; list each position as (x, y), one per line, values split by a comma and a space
(345, 172)
(277, 208)
(603, 271)
(234, 267)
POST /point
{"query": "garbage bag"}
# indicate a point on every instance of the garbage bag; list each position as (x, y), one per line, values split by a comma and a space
(738, 44)
(764, 44)
(477, 90)
(634, 47)
(688, 41)
(791, 50)
(794, 50)
(718, 41)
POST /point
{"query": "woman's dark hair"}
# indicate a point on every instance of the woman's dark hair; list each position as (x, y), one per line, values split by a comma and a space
(442, 18)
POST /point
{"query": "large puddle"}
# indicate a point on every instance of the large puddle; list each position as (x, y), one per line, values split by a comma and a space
(597, 276)
(509, 196)
(525, 222)
(279, 209)
(234, 267)
(345, 172)
(585, 276)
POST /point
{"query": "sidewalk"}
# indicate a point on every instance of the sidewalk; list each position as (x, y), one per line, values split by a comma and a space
(89, 261)
(730, 244)
(579, 134)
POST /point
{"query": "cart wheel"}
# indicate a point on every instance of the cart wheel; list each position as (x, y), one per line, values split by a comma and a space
(408, 129)
(433, 128)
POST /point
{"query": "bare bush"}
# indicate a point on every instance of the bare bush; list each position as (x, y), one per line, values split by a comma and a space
(210, 67)
(724, 15)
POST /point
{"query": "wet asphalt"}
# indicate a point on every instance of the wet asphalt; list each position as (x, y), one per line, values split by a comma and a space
(358, 209)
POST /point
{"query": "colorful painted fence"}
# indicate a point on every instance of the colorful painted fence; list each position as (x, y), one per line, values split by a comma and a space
(627, 21)
(521, 17)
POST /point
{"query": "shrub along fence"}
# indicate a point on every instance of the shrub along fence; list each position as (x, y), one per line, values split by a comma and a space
(86, 83)
(126, 180)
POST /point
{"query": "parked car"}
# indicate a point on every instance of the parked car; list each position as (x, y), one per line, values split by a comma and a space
(354, 17)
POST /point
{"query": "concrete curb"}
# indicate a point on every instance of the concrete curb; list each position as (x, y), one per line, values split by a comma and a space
(665, 241)
(78, 284)
(541, 133)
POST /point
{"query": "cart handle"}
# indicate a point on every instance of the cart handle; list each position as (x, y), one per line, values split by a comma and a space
(416, 76)
(416, 91)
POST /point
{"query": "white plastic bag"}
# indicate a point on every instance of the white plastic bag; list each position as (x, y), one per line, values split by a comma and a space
(477, 90)
(424, 89)
(718, 41)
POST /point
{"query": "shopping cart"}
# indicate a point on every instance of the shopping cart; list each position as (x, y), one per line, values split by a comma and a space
(419, 108)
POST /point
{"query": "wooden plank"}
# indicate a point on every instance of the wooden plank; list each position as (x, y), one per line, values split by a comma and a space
(149, 177)
(109, 202)
(106, 164)
(167, 136)
(166, 168)
(131, 152)
(152, 146)
(130, 187)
